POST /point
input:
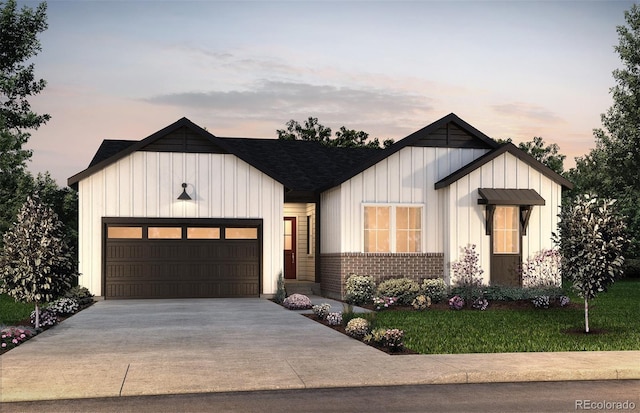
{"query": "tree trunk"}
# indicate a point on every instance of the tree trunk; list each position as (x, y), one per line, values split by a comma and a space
(586, 315)
(37, 316)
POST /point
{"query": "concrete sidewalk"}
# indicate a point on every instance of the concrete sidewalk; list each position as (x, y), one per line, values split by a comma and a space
(150, 347)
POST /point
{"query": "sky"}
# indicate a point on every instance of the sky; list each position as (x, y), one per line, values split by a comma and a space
(512, 69)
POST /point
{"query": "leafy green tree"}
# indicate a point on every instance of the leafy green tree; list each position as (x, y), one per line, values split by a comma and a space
(591, 238)
(314, 131)
(549, 154)
(19, 43)
(611, 169)
(36, 264)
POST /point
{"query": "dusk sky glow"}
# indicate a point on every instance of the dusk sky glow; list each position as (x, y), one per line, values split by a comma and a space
(125, 69)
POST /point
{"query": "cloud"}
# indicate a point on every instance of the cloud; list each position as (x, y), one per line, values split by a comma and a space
(528, 111)
(283, 100)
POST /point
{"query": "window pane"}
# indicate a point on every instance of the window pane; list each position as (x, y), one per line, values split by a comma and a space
(124, 232)
(506, 230)
(203, 233)
(376, 229)
(165, 233)
(415, 220)
(241, 233)
(402, 241)
(402, 218)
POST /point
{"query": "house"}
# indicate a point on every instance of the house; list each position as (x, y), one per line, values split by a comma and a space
(183, 213)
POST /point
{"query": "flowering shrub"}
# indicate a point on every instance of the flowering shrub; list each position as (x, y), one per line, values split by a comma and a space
(391, 338)
(321, 310)
(47, 317)
(357, 327)
(421, 302)
(13, 336)
(381, 303)
(480, 304)
(456, 302)
(359, 289)
(297, 302)
(541, 301)
(64, 306)
(467, 273)
(404, 289)
(564, 301)
(334, 319)
(434, 289)
(542, 270)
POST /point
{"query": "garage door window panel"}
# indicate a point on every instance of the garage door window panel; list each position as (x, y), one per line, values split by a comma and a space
(165, 232)
(124, 232)
(241, 233)
(203, 233)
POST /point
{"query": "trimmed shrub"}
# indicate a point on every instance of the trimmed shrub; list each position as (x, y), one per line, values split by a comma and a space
(357, 327)
(297, 302)
(421, 302)
(321, 310)
(434, 288)
(405, 290)
(64, 306)
(359, 289)
(82, 295)
(334, 319)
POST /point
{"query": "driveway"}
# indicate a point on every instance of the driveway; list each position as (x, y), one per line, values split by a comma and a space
(148, 347)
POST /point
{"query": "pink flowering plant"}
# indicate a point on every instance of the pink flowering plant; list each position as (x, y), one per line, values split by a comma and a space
(542, 270)
(11, 337)
(381, 303)
(456, 302)
(467, 274)
(297, 302)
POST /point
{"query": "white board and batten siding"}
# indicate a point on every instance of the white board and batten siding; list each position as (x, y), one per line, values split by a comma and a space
(147, 184)
(466, 221)
(406, 177)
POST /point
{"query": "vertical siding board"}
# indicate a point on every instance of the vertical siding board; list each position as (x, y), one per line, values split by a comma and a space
(393, 177)
(510, 171)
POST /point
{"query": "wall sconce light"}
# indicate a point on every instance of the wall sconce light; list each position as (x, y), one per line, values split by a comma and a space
(184, 196)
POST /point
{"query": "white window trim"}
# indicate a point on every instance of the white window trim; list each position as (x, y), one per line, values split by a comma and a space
(392, 225)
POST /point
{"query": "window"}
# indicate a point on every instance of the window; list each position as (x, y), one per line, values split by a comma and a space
(124, 232)
(241, 233)
(392, 228)
(408, 229)
(165, 233)
(203, 233)
(506, 230)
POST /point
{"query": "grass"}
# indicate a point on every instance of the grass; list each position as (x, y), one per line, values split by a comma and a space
(11, 312)
(525, 330)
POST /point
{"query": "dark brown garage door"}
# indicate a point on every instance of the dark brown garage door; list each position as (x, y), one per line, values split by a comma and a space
(182, 259)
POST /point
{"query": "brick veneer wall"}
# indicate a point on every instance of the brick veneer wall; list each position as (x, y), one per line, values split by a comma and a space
(336, 268)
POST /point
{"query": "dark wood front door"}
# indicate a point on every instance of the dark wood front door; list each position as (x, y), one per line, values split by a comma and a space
(290, 248)
(506, 242)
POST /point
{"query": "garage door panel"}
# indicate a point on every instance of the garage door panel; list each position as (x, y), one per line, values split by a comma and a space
(181, 268)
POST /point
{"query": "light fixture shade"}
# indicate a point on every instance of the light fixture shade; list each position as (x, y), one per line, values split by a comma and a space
(184, 196)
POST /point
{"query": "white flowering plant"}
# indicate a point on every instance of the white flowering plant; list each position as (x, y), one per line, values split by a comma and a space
(434, 288)
(334, 319)
(480, 304)
(47, 318)
(321, 310)
(359, 289)
(357, 327)
(64, 306)
(541, 301)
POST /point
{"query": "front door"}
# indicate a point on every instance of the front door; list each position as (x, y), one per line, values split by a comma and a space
(506, 243)
(290, 248)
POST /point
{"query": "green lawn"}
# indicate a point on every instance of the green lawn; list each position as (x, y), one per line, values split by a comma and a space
(496, 331)
(11, 312)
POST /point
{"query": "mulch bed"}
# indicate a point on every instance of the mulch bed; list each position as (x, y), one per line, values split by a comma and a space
(340, 328)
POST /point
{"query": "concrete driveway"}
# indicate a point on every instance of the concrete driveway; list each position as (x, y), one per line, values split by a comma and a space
(147, 347)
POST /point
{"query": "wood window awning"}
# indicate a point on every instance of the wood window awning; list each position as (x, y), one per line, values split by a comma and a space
(524, 198)
(490, 196)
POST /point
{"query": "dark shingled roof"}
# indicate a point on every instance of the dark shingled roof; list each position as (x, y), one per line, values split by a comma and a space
(301, 166)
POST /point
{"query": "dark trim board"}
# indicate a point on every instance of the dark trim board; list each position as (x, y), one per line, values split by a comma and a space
(186, 267)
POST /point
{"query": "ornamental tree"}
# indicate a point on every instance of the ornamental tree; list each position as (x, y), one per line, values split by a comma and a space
(591, 239)
(36, 264)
